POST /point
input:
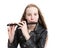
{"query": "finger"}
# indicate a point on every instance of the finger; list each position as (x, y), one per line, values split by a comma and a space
(20, 25)
(9, 28)
(14, 28)
(11, 24)
(9, 31)
(24, 22)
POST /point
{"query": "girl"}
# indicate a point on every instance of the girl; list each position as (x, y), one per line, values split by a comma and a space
(31, 31)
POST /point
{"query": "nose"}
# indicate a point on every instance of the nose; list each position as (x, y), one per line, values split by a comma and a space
(32, 17)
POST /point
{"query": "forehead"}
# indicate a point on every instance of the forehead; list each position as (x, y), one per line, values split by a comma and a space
(31, 9)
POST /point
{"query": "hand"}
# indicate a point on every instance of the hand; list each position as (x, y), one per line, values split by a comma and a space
(23, 27)
(11, 32)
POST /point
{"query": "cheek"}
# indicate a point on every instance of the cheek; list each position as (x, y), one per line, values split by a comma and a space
(37, 17)
(27, 18)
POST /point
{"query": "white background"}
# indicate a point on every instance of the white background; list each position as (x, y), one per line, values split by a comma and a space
(12, 10)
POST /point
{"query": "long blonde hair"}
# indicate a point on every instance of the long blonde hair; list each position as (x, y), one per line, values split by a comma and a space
(40, 20)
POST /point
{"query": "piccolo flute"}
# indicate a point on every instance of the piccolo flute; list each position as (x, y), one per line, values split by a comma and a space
(21, 24)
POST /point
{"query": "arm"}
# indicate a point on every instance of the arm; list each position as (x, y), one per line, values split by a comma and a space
(40, 42)
(14, 44)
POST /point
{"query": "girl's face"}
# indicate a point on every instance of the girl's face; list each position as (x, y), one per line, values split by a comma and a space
(32, 14)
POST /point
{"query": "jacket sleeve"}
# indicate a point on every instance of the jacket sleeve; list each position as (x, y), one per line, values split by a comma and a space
(14, 44)
(40, 43)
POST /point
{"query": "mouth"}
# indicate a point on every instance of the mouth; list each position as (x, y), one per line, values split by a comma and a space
(32, 23)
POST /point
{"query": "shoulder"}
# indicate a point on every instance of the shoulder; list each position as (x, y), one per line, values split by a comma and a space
(40, 29)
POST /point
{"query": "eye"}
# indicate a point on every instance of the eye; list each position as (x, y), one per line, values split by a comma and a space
(29, 14)
(35, 14)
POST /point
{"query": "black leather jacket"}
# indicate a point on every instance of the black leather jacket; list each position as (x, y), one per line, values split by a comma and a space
(37, 39)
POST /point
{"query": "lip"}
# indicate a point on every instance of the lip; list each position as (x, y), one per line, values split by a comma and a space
(32, 23)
